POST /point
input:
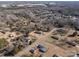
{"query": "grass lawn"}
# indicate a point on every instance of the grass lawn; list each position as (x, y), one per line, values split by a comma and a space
(50, 40)
(3, 42)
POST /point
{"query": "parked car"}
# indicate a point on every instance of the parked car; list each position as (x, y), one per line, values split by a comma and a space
(32, 50)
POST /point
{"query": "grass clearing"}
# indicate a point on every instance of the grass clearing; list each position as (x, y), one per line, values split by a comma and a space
(33, 39)
(3, 42)
(50, 40)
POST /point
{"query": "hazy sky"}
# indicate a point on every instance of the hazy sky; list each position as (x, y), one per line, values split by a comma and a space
(39, 0)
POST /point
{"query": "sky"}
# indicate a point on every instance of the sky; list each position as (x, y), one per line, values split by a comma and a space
(39, 0)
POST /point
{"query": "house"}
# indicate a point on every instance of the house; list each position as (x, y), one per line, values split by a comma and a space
(2, 31)
(72, 33)
(41, 48)
(10, 35)
(71, 43)
(38, 32)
